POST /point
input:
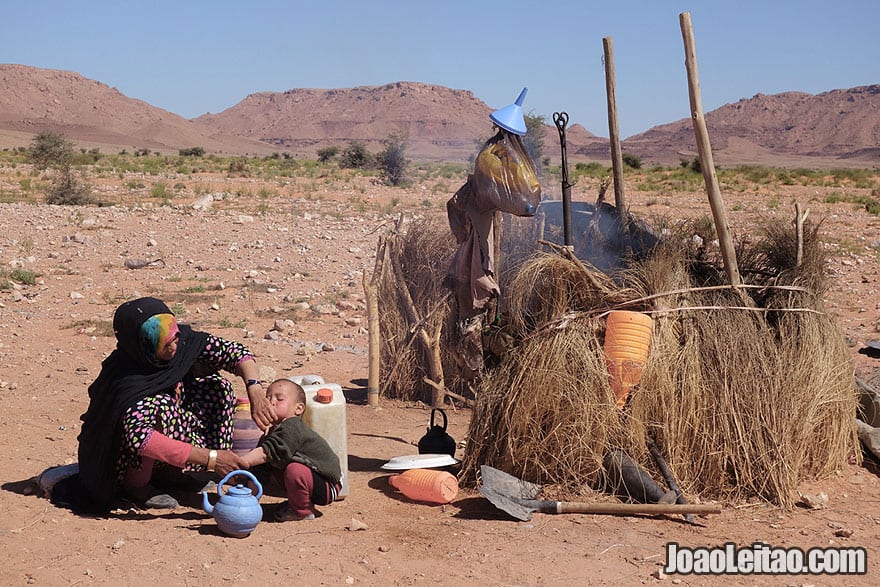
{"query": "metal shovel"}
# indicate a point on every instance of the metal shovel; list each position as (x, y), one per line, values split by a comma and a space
(516, 497)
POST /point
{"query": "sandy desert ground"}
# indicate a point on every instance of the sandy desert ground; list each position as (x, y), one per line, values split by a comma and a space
(233, 269)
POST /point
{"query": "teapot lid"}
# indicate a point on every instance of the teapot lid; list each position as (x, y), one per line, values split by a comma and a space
(239, 490)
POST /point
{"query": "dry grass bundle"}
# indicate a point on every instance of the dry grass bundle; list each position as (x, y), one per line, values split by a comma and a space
(746, 397)
(548, 286)
(545, 414)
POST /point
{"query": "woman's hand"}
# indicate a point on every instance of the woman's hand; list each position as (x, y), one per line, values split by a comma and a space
(228, 461)
(262, 412)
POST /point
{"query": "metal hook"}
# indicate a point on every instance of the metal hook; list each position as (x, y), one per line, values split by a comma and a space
(560, 119)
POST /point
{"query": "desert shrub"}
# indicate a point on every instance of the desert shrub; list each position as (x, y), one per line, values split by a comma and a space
(592, 169)
(534, 141)
(356, 156)
(50, 149)
(159, 190)
(69, 191)
(192, 152)
(392, 160)
(327, 153)
(238, 166)
(631, 160)
(23, 276)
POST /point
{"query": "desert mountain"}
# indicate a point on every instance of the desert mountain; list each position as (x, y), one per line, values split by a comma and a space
(843, 125)
(439, 122)
(835, 128)
(90, 113)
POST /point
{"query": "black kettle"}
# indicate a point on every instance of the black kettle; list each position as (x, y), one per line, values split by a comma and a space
(437, 441)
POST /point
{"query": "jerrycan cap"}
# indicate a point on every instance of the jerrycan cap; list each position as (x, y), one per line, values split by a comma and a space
(324, 395)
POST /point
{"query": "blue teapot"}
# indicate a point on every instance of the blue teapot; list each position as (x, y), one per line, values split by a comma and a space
(238, 511)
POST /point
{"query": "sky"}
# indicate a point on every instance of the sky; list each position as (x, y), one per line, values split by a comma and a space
(193, 57)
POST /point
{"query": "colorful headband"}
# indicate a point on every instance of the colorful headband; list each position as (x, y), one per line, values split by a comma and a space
(156, 331)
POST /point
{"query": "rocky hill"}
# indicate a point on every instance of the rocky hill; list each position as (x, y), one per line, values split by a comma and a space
(95, 115)
(835, 128)
(440, 123)
(843, 125)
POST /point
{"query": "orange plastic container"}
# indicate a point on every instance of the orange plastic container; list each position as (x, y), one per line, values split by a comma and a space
(427, 485)
(627, 343)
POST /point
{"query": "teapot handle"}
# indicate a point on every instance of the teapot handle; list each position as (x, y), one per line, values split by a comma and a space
(246, 474)
(442, 413)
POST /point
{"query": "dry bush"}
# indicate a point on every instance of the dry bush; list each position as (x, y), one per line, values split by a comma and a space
(421, 250)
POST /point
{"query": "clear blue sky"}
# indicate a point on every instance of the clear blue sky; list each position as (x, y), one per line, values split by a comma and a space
(192, 57)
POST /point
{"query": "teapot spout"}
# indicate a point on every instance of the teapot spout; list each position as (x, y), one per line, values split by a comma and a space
(206, 505)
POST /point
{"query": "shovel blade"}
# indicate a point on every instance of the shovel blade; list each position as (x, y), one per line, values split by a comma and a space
(505, 484)
(507, 504)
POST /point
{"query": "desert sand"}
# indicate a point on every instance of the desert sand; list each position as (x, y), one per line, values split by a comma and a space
(234, 269)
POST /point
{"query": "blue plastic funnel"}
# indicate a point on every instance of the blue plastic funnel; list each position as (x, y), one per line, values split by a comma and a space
(510, 118)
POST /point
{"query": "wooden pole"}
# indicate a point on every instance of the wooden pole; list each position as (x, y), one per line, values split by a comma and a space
(799, 219)
(613, 130)
(374, 352)
(707, 163)
(375, 347)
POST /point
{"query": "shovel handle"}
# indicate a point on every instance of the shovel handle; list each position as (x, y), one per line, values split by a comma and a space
(575, 507)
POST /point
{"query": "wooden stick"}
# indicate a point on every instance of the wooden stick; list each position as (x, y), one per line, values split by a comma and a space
(573, 507)
(673, 292)
(799, 219)
(445, 391)
(371, 292)
(614, 131)
(707, 163)
(748, 308)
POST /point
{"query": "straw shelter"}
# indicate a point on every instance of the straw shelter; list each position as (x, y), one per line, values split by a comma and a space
(746, 391)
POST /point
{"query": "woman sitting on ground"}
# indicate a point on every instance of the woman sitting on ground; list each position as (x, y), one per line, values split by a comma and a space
(160, 397)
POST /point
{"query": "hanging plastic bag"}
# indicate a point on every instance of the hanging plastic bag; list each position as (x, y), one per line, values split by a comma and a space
(505, 178)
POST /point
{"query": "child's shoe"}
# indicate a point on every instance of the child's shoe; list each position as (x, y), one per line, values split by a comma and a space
(286, 514)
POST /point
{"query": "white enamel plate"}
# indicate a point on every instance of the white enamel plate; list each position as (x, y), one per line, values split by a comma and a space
(423, 461)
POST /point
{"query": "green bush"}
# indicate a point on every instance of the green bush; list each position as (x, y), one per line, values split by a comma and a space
(392, 160)
(533, 141)
(239, 167)
(23, 276)
(159, 190)
(192, 152)
(631, 160)
(327, 153)
(50, 149)
(68, 191)
(356, 156)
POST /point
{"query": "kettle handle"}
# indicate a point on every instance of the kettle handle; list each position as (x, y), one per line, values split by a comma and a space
(442, 413)
(240, 472)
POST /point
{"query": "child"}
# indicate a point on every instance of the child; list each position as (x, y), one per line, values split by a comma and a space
(300, 458)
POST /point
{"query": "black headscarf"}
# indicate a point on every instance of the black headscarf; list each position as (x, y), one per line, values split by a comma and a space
(128, 375)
